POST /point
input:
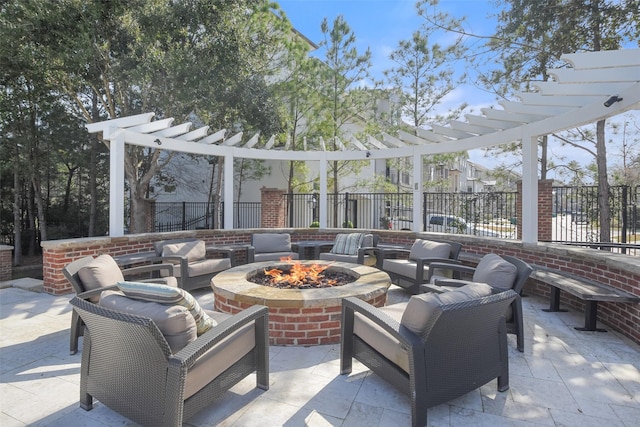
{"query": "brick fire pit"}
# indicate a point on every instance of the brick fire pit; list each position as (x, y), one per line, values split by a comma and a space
(299, 316)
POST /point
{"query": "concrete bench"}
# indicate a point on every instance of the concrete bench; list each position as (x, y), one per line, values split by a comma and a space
(589, 291)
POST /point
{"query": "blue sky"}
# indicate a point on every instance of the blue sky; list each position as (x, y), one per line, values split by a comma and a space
(381, 24)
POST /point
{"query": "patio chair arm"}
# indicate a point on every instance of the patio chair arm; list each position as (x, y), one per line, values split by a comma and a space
(453, 265)
(149, 268)
(367, 250)
(258, 313)
(352, 305)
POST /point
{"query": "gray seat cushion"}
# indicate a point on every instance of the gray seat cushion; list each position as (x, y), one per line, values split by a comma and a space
(495, 271)
(274, 256)
(205, 266)
(429, 249)
(174, 321)
(421, 308)
(404, 267)
(379, 339)
(99, 273)
(271, 242)
(193, 251)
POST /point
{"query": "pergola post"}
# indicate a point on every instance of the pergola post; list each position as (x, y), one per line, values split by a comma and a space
(529, 188)
(228, 192)
(323, 190)
(116, 183)
(417, 192)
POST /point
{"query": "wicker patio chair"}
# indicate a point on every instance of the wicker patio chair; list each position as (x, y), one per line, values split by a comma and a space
(409, 268)
(362, 253)
(270, 247)
(192, 267)
(102, 273)
(499, 271)
(129, 365)
(433, 348)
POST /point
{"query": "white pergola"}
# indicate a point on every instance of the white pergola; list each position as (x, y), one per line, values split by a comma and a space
(594, 86)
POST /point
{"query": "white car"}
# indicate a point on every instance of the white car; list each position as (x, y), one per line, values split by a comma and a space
(441, 223)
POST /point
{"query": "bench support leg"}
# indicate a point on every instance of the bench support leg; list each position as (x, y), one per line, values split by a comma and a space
(554, 300)
(590, 317)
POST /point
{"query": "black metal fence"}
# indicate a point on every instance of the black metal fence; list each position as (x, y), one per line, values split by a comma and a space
(575, 214)
(576, 218)
(170, 216)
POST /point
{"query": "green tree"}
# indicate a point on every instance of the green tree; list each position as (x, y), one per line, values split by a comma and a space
(423, 76)
(117, 58)
(344, 100)
(532, 36)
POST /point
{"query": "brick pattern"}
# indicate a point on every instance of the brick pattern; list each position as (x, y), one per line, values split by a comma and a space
(623, 318)
(273, 212)
(545, 210)
(6, 262)
(301, 326)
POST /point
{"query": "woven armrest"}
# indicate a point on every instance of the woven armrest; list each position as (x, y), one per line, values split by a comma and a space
(258, 313)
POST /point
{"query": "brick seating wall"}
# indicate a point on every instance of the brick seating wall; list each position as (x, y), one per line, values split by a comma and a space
(616, 270)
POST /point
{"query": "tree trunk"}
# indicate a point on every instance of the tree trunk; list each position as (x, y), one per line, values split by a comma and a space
(603, 184)
(42, 220)
(17, 224)
(138, 210)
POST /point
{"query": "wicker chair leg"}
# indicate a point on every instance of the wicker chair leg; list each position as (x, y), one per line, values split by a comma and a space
(75, 332)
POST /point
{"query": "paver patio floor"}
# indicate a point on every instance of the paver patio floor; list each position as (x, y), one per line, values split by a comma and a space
(564, 378)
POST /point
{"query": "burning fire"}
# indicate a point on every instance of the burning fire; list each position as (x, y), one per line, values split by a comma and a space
(299, 274)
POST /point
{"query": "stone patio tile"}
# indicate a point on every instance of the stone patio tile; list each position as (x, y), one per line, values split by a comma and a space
(568, 379)
(565, 418)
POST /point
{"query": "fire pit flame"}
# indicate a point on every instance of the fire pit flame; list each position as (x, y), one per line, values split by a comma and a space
(299, 274)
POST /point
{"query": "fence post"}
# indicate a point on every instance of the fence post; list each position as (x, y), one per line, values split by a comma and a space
(545, 210)
(273, 208)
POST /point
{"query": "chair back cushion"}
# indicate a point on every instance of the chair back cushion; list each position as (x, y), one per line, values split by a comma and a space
(429, 249)
(495, 271)
(102, 271)
(271, 242)
(153, 292)
(422, 307)
(368, 241)
(348, 244)
(174, 321)
(193, 251)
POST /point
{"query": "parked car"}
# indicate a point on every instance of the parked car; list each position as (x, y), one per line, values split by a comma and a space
(579, 218)
(441, 223)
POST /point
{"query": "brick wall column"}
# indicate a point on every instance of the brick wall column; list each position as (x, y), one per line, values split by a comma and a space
(273, 213)
(6, 264)
(545, 209)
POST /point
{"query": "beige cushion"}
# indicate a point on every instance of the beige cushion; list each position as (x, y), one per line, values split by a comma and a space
(174, 321)
(495, 271)
(205, 266)
(219, 358)
(274, 256)
(404, 267)
(271, 242)
(429, 249)
(328, 256)
(421, 307)
(102, 271)
(193, 251)
(379, 339)
(347, 244)
(153, 292)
